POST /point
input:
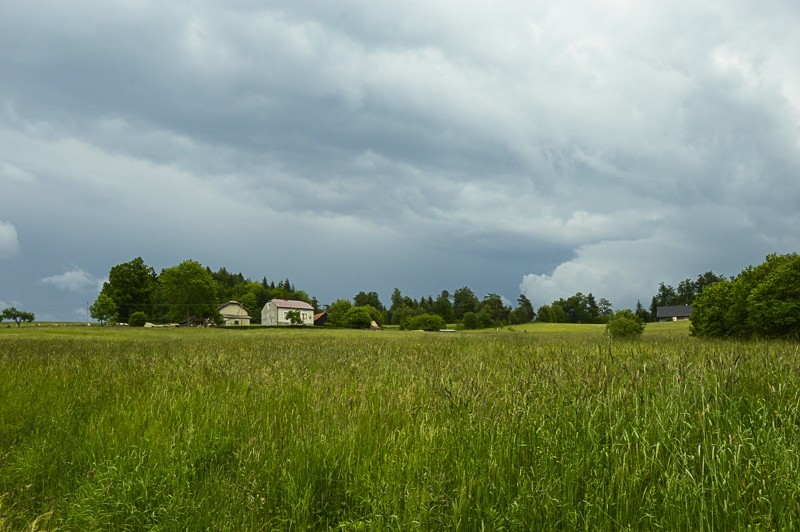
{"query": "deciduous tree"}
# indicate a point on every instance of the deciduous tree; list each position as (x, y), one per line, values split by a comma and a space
(17, 316)
(368, 299)
(132, 286)
(188, 290)
(337, 313)
(464, 300)
(358, 318)
(103, 309)
(762, 301)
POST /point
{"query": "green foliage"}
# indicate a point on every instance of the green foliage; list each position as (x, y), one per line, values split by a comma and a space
(762, 302)
(625, 325)
(495, 311)
(443, 307)
(358, 318)
(424, 322)
(470, 320)
(103, 309)
(137, 319)
(710, 311)
(773, 306)
(464, 301)
(402, 307)
(132, 287)
(188, 291)
(578, 308)
(337, 313)
(294, 317)
(370, 299)
(524, 313)
(685, 294)
(17, 316)
(546, 314)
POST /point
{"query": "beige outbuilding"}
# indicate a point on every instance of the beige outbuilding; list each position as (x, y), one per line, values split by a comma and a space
(234, 313)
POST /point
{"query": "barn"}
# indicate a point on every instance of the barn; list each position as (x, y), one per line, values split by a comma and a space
(234, 313)
(674, 313)
(276, 311)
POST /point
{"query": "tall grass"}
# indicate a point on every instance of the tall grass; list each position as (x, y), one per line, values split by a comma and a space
(235, 430)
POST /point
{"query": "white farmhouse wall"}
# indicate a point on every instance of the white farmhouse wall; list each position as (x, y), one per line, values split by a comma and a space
(275, 314)
(269, 314)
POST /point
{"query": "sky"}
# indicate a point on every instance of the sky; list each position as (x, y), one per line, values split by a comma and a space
(513, 146)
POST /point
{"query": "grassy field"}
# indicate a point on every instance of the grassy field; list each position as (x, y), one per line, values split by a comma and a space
(528, 427)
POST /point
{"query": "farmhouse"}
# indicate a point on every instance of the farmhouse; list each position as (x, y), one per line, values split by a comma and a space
(233, 313)
(275, 312)
(674, 313)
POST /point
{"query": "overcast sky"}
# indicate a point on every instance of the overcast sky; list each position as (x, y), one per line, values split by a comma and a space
(509, 146)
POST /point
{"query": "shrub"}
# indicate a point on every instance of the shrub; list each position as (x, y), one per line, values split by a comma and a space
(625, 325)
(294, 317)
(470, 321)
(358, 318)
(424, 322)
(137, 319)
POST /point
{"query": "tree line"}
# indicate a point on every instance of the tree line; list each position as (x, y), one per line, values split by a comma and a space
(758, 302)
(761, 302)
(188, 292)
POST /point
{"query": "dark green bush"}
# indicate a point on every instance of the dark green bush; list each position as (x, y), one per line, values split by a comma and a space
(423, 322)
(625, 325)
(137, 319)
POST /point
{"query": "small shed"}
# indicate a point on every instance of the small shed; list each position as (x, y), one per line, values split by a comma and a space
(320, 319)
(234, 313)
(674, 313)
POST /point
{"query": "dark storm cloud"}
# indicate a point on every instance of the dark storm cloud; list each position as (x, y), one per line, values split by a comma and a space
(427, 145)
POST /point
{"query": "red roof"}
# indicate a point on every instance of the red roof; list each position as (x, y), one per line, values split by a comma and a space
(290, 303)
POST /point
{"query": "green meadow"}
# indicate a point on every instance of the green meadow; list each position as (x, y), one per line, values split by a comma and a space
(524, 428)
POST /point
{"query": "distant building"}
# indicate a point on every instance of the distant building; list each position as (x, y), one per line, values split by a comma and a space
(674, 313)
(320, 319)
(234, 313)
(275, 312)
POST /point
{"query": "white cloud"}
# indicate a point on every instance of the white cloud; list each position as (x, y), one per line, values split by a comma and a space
(75, 280)
(510, 136)
(685, 244)
(11, 172)
(9, 242)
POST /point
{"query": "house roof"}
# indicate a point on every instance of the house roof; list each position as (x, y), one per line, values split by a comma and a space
(318, 316)
(291, 303)
(673, 311)
(242, 314)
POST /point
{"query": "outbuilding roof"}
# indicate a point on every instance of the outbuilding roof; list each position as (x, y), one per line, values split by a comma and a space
(291, 303)
(237, 314)
(674, 311)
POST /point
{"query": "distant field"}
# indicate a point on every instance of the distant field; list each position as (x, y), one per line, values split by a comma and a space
(530, 427)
